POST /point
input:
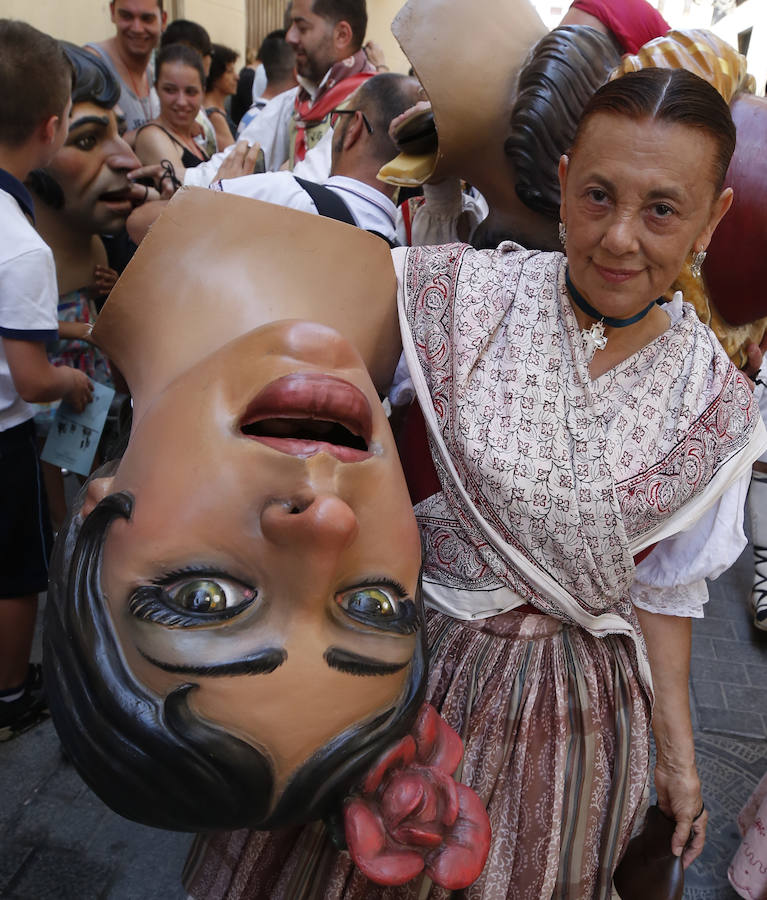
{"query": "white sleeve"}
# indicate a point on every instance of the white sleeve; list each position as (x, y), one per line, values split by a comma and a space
(269, 129)
(29, 296)
(671, 579)
(271, 187)
(436, 220)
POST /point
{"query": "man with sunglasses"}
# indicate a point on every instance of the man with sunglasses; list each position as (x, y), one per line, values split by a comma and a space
(360, 146)
(327, 37)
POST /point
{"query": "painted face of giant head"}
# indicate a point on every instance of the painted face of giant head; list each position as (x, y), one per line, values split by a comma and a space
(251, 578)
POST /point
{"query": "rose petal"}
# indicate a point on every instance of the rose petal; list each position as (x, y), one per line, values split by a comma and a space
(403, 796)
(401, 754)
(364, 830)
(395, 867)
(461, 859)
(443, 788)
(437, 743)
(419, 835)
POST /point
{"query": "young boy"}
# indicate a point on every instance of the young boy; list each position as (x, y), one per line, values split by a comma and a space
(34, 107)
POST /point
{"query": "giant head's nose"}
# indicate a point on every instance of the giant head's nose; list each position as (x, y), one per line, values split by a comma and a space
(323, 521)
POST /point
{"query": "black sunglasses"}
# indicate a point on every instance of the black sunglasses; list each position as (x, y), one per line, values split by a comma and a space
(335, 113)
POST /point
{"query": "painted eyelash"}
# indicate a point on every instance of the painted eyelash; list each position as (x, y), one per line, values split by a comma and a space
(376, 581)
(405, 623)
(152, 603)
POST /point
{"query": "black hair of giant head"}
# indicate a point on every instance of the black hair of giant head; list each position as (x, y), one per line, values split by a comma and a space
(559, 77)
(93, 82)
(150, 758)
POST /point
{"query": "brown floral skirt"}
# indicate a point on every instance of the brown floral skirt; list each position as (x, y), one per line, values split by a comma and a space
(556, 731)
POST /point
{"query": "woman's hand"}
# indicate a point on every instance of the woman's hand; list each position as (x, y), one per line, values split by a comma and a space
(668, 640)
(679, 797)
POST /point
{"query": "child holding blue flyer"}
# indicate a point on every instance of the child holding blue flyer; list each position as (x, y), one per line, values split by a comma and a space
(34, 106)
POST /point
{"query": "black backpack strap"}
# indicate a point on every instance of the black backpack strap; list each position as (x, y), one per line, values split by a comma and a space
(328, 203)
(383, 237)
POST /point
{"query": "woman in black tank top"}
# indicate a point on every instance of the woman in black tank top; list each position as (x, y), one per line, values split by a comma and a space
(179, 82)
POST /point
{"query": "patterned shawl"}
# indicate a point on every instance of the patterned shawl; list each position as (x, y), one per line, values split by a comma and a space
(552, 482)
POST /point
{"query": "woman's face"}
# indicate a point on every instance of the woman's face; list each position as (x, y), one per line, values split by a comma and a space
(637, 197)
(227, 80)
(272, 556)
(91, 169)
(179, 88)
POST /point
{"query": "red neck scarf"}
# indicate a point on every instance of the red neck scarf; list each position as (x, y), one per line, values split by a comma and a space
(344, 77)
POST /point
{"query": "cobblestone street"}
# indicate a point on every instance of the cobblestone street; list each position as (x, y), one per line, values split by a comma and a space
(59, 842)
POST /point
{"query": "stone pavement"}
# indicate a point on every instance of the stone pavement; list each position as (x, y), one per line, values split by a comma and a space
(58, 842)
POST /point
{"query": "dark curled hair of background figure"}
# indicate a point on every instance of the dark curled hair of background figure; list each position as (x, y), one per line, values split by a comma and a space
(559, 77)
(151, 758)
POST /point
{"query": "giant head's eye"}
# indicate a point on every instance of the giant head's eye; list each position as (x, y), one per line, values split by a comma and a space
(191, 601)
(370, 603)
(200, 596)
(380, 605)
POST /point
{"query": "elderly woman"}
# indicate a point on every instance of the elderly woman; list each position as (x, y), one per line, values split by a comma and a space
(574, 424)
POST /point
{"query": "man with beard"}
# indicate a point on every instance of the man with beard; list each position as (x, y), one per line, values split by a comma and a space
(128, 55)
(327, 37)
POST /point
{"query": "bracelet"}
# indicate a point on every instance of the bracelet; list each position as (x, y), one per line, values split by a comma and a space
(702, 810)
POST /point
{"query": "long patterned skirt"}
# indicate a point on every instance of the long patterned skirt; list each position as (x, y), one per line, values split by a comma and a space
(556, 733)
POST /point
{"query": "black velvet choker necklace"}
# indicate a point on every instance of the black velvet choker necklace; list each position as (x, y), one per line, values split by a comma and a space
(594, 338)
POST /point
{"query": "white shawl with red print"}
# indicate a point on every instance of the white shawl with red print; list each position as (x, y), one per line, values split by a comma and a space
(552, 482)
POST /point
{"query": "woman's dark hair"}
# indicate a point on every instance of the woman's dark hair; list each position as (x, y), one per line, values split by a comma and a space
(181, 53)
(152, 759)
(222, 56)
(559, 77)
(668, 95)
(92, 83)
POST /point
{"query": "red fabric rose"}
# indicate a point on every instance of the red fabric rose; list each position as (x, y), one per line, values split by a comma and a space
(413, 816)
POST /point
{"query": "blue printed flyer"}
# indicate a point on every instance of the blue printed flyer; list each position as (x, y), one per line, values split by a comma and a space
(74, 437)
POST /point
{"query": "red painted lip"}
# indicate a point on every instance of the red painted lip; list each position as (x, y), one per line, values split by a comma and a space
(616, 276)
(311, 406)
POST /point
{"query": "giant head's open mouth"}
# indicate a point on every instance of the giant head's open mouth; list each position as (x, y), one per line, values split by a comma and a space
(304, 414)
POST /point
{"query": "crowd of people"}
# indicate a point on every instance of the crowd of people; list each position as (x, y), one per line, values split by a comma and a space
(582, 451)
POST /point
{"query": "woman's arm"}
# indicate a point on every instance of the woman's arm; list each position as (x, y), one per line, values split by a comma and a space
(668, 640)
(153, 146)
(223, 134)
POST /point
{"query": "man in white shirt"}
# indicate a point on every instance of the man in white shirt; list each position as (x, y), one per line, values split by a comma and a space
(327, 36)
(360, 146)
